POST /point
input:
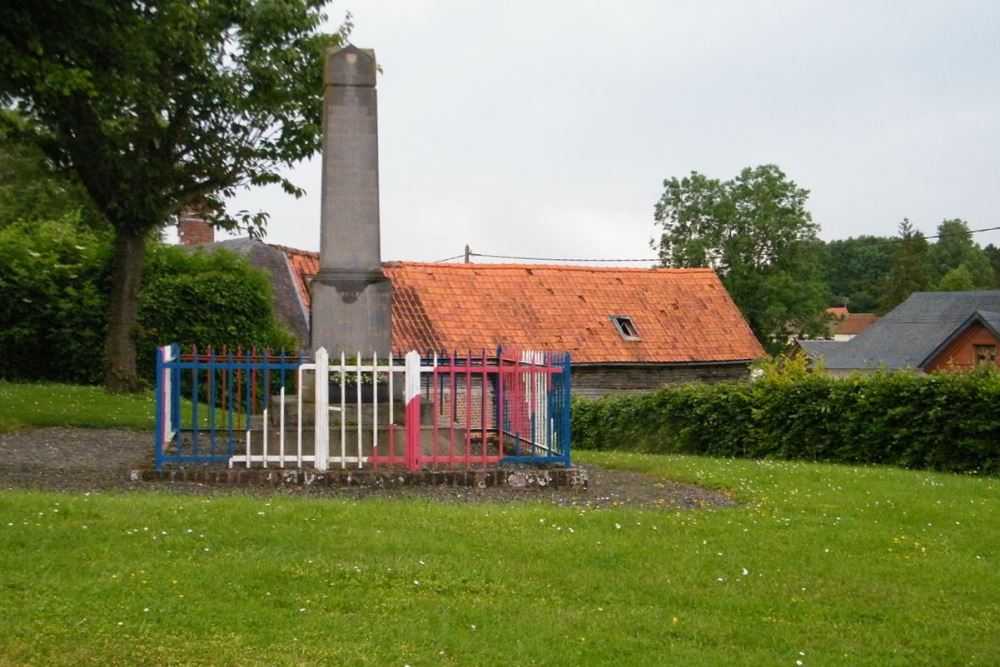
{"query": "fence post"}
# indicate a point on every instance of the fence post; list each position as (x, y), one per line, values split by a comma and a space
(322, 414)
(163, 407)
(412, 410)
(566, 407)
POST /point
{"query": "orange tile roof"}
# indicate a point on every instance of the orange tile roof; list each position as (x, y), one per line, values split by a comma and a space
(304, 264)
(682, 315)
(855, 323)
(837, 311)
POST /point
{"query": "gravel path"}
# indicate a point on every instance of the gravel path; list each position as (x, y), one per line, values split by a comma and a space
(70, 459)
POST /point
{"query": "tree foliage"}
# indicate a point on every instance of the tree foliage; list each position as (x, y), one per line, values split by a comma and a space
(31, 189)
(55, 277)
(158, 105)
(955, 255)
(855, 270)
(992, 254)
(911, 271)
(206, 299)
(756, 232)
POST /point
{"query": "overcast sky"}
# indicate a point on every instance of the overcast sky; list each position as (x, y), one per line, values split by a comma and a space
(546, 128)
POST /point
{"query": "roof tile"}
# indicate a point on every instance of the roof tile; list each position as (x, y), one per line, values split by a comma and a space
(682, 315)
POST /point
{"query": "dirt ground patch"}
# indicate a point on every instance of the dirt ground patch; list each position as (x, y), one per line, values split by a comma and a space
(70, 459)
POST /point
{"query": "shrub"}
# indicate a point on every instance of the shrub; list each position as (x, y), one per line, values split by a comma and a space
(945, 421)
(53, 315)
(209, 299)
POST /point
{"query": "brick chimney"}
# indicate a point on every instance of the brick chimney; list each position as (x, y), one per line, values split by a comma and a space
(192, 228)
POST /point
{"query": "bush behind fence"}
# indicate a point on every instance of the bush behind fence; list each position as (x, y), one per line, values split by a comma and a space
(947, 421)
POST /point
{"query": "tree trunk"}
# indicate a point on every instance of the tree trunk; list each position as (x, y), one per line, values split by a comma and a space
(126, 275)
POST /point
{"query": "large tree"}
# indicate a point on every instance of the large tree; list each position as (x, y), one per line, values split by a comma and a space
(156, 105)
(756, 232)
(958, 261)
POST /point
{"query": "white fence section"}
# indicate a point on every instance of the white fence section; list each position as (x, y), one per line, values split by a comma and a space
(365, 391)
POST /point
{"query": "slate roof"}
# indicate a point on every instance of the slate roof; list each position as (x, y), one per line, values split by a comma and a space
(908, 336)
(682, 315)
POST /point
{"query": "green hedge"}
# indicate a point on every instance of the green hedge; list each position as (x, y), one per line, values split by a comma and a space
(54, 282)
(946, 421)
(209, 299)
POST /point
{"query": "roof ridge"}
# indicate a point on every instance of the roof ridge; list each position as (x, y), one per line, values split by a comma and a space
(556, 267)
(298, 251)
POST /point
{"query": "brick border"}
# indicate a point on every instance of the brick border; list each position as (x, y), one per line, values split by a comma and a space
(520, 478)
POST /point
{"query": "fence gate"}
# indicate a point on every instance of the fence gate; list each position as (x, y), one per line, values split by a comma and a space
(249, 408)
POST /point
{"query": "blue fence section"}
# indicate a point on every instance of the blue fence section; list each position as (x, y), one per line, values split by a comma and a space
(207, 401)
(534, 407)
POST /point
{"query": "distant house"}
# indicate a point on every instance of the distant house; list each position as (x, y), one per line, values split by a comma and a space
(626, 329)
(846, 325)
(927, 332)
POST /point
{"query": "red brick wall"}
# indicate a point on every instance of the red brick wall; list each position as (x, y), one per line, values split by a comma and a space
(961, 354)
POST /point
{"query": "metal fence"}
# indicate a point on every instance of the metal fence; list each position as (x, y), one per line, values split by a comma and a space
(252, 408)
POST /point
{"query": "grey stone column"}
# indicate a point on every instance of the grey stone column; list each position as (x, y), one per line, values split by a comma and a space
(351, 298)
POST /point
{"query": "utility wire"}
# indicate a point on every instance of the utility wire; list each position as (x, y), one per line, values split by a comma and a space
(560, 259)
(657, 259)
(971, 231)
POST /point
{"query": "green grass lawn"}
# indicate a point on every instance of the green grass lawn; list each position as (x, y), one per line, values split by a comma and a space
(824, 565)
(36, 405)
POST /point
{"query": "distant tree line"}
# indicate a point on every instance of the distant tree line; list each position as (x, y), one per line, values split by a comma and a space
(876, 273)
(756, 232)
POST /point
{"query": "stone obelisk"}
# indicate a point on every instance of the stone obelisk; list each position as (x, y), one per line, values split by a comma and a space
(351, 298)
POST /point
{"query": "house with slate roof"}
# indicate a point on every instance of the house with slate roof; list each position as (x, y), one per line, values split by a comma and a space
(626, 329)
(929, 331)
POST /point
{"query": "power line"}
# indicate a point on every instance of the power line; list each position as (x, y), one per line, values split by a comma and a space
(592, 260)
(971, 231)
(561, 259)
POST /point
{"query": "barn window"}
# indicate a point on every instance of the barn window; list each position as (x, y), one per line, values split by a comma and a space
(986, 355)
(626, 327)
